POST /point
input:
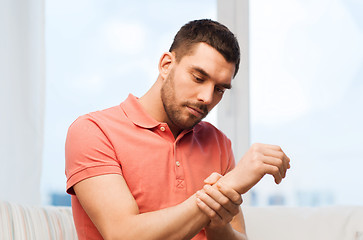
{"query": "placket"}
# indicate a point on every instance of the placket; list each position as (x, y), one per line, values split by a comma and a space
(179, 168)
(164, 131)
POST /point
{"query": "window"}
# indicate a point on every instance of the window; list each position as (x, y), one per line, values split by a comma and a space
(306, 95)
(97, 52)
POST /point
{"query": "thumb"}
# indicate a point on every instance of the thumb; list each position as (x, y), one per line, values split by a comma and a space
(213, 178)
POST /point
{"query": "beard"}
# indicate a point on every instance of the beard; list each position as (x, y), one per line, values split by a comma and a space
(177, 112)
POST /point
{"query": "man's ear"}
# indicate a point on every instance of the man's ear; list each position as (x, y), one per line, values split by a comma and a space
(165, 64)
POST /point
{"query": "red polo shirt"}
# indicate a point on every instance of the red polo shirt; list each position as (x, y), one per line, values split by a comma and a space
(160, 171)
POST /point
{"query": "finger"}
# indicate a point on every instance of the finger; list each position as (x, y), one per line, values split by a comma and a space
(288, 162)
(274, 171)
(208, 211)
(266, 146)
(277, 163)
(213, 178)
(273, 147)
(230, 193)
(221, 199)
(215, 206)
(278, 154)
(270, 150)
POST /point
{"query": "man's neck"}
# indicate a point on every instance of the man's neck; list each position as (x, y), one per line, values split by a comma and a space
(153, 105)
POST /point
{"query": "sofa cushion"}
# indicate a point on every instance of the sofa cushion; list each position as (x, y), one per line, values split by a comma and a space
(301, 223)
(20, 222)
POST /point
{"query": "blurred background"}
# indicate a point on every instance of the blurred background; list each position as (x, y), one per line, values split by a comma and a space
(305, 88)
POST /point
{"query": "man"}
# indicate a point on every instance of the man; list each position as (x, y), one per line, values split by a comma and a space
(150, 169)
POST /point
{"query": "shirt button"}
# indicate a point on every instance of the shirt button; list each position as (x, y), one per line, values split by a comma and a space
(162, 129)
(177, 163)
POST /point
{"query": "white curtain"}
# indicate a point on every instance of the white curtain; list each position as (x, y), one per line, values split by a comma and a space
(22, 79)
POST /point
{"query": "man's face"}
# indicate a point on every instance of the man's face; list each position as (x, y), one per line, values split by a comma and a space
(195, 85)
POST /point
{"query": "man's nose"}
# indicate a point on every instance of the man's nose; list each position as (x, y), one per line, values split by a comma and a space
(205, 94)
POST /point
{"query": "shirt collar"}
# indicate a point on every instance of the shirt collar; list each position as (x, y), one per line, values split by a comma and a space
(136, 113)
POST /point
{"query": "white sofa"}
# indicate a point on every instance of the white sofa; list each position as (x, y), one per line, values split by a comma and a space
(19, 222)
(285, 223)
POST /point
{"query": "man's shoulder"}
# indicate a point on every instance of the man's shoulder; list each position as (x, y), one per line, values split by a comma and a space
(109, 116)
(111, 113)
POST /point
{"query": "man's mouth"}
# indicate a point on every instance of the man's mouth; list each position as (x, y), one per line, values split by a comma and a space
(196, 112)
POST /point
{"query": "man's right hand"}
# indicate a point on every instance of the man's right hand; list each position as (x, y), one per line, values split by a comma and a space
(259, 160)
(219, 203)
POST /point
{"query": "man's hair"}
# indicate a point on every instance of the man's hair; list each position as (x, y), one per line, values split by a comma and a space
(210, 32)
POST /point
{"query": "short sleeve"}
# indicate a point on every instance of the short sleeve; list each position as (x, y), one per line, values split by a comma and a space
(88, 152)
(231, 161)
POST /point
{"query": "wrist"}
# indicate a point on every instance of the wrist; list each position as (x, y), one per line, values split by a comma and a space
(220, 232)
(232, 180)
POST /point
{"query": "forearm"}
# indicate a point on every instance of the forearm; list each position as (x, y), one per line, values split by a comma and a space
(183, 221)
(226, 233)
(235, 181)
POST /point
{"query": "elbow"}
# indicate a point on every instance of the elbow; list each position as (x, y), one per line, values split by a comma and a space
(123, 232)
(119, 234)
(116, 232)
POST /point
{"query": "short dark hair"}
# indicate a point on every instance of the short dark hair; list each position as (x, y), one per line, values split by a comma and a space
(210, 32)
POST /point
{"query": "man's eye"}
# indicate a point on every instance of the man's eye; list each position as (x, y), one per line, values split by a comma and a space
(197, 79)
(220, 90)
